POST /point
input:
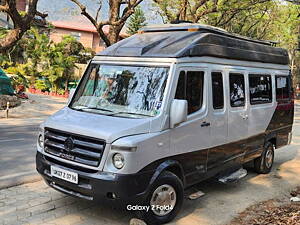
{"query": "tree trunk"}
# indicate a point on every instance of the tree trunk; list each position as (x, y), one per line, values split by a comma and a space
(114, 12)
(21, 23)
(66, 84)
(10, 39)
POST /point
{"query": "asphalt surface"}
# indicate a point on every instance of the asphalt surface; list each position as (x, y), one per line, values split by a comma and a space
(17, 153)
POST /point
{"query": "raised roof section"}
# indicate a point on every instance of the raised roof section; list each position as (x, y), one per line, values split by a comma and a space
(191, 40)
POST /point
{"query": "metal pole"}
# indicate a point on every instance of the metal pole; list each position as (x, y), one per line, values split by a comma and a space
(7, 109)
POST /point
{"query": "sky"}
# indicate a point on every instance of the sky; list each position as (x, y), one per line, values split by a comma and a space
(67, 10)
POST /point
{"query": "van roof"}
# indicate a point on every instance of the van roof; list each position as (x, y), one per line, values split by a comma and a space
(190, 40)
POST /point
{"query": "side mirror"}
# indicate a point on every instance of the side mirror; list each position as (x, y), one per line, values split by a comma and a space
(72, 91)
(178, 112)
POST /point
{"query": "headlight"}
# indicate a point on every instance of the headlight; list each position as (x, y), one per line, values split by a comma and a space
(41, 141)
(118, 161)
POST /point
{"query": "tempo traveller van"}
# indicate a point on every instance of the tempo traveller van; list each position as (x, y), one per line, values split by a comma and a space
(163, 110)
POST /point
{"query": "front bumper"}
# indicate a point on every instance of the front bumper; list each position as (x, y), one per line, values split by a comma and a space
(95, 185)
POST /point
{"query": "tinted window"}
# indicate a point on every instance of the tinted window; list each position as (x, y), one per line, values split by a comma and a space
(180, 91)
(282, 87)
(260, 88)
(217, 90)
(190, 87)
(237, 90)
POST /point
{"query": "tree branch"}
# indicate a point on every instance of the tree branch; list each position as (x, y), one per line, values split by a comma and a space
(127, 13)
(85, 13)
(21, 24)
(197, 6)
(98, 11)
(207, 11)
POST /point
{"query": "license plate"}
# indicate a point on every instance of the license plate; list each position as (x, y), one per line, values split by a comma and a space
(64, 174)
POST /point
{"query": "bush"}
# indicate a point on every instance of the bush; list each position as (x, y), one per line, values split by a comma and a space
(60, 91)
(41, 85)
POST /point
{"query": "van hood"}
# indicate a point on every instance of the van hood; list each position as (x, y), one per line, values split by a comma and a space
(108, 128)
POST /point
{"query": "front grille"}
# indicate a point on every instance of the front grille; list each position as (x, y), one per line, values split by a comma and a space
(74, 147)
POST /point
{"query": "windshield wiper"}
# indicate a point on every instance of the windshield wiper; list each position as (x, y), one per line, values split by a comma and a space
(131, 113)
(96, 108)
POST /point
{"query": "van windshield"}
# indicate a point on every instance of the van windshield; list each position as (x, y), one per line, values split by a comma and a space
(121, 90)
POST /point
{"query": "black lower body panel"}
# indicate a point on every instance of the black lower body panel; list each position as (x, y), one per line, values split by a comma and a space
(95, 185)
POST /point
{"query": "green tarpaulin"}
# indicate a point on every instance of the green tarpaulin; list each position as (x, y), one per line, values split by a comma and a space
(5, 84)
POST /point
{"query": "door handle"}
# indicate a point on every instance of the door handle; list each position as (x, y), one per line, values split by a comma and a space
(205, 124)
(245, 117)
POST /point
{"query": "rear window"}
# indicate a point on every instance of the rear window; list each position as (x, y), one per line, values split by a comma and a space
(282, 88)
(260, 88)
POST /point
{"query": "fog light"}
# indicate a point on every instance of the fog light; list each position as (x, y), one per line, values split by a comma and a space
(41, 141)
(118, 161)
(111, 195)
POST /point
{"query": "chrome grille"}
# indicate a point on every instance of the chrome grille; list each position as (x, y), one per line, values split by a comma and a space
(74, 147)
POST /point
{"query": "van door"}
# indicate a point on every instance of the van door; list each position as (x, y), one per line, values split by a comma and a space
(190, 140)
(237, 118)
(219, 122)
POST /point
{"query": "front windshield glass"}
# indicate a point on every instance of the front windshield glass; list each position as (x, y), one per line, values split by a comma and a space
(119, 90)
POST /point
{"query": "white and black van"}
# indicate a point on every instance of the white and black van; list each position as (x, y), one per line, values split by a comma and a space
(165, 109)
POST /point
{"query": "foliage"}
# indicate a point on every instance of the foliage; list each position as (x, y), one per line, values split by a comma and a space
(21, 22)
(41, 85)
(19, 74)
(136, 21)
(36, 56)
(259, 19)
(60, 61)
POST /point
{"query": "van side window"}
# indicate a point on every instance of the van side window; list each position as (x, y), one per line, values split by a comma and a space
(190, 87)
(237, 89)
(180, 91)
(217, 90)
(282, 88)
(260, 88)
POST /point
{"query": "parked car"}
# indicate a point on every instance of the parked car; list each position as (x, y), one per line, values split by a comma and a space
(163, 110)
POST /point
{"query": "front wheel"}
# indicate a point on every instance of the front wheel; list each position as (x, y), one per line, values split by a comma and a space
(164, 200)
(264, 163)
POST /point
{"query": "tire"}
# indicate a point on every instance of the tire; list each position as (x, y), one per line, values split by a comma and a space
(163, 182)
(264, 163)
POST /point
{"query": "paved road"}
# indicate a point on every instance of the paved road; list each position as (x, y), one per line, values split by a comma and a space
(17, 152)
(18, 136)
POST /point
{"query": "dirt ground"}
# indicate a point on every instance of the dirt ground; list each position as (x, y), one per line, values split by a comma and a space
(276, 211)
(36, 106)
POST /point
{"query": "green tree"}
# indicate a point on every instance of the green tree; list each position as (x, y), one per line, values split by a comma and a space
(37, 58)
(243, 17)
(62, 60)
(21, 21)
(136, 21)
(259, 19)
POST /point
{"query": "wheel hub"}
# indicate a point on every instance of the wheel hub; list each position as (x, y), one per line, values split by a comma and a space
(163, 200)
(269, 158)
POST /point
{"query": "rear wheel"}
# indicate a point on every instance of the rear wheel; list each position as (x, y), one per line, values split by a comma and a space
(264, 163)
(165, 199)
